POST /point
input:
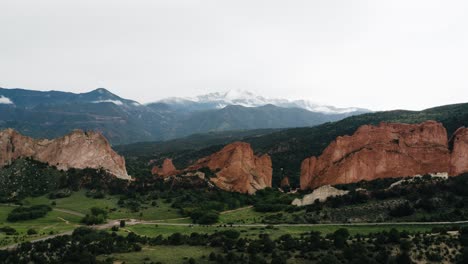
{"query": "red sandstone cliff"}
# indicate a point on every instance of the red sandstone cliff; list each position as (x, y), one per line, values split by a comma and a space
(167, 169)
(237, 168)
(76, 150)
(386, 150)
(459, 157)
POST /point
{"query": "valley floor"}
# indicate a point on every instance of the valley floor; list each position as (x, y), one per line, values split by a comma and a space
(156, 218)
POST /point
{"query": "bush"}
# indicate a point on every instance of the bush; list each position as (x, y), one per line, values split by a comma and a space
(28, 213)
(93, 219)
(31, 232)
(97, 216)
(402, 210)
(209, 218)
(231, 234)
(269, 207)
(8, 230)
(96, 194)
(204, 217)
(98, 211)
(62, 193)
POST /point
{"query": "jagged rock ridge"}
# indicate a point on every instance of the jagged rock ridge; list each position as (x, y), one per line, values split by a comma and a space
(76, 150)
(167, 169)
(235, 168)
(387, 150)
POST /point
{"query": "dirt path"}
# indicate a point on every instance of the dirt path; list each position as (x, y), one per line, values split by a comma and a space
(235, 210)
(69, 212)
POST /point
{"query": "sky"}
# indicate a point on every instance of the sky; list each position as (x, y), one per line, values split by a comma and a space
(379, 55)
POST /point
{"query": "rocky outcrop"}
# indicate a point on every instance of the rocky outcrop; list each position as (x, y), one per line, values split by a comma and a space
(76, 150)
(386, 150)
(236, 168)
(167, 169)
(285, 182)
(459, 157)
(434, 176)
(321, 194)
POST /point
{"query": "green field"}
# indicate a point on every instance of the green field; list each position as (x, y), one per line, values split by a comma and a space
(79, 202)
(242, 216)
(163, 254)
(153, 230)
(67, 213)
(252, 232)
(54, 222)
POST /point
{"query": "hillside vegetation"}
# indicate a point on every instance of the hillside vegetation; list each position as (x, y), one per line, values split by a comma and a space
(289, 147)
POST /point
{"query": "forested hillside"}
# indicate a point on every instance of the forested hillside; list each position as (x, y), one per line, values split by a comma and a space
(289, 147)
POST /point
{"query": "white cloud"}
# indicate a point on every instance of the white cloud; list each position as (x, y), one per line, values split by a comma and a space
(116, 102)
(5, 100)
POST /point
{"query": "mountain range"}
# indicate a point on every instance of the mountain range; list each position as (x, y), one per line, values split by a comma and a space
(220, 100)
(53, 113)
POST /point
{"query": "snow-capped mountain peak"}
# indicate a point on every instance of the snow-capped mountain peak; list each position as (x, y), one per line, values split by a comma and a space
(234, 96)
(248, 99)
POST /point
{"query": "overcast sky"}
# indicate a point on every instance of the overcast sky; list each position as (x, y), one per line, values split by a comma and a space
(374, 54)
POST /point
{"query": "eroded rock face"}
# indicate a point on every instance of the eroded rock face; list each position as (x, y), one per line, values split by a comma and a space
(285, 182)
(237, 169)
(386, 150)
(76, 150)
(167, 169)
(459, 158)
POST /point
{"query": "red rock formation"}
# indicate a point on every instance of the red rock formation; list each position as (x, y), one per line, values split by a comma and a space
(76, 150)
(307, 172)
(237, 168)
(459, 158)
(285, 182)
(387, 150)
(167, 169)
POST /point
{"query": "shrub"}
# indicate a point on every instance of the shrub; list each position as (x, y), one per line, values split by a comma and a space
(204, 217)
(28, 213)
(262, 207)
(402, 210)
(209, 218)
(62, 193)
(31, 232)
(8, 230)
(97, 216)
